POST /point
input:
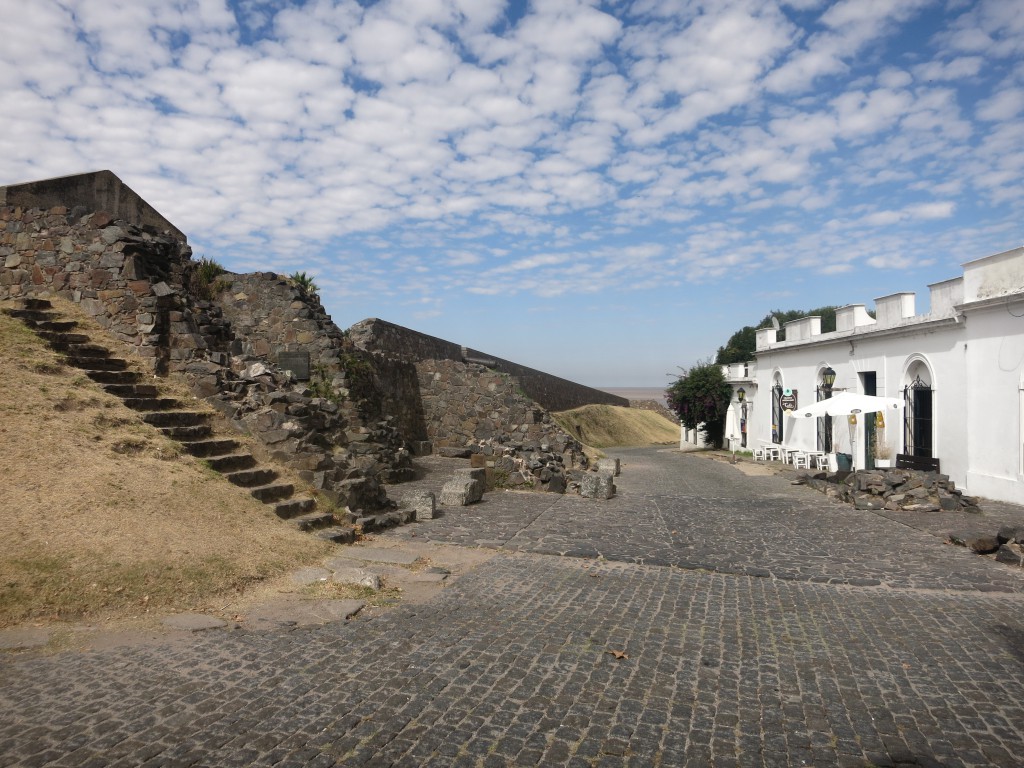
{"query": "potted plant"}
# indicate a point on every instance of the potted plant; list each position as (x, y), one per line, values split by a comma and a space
(883, 453)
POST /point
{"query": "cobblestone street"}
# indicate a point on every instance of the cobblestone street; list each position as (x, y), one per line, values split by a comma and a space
(701, 617)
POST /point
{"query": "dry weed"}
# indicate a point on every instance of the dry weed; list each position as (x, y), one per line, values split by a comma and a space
(102, 516)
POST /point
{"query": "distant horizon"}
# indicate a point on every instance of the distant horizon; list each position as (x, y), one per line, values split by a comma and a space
(636, 393)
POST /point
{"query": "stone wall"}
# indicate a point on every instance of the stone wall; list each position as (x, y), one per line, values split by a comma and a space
(466, 403)
(270, 315)
(121, 274)
(86, 193)
(360, 406)
(551, 392)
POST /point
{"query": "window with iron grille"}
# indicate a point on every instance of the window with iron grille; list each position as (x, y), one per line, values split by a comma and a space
(917, 419)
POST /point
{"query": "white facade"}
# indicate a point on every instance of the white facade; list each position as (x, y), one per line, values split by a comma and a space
(741, 376)
(960, 368)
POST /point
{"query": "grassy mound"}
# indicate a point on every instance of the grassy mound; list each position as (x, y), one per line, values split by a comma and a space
(102, 516)
(605, 426)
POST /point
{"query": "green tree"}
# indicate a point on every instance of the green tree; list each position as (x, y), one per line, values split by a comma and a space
(700, 397)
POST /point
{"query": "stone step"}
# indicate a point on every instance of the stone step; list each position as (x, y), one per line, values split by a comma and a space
(339, 534)
(57, 326)
(271, 493)
(53, 338)
(114, 377)
(80, 349)
(232, 462)
(132, 390)
(37, 304)
(382, 521)
(191, 434)
(294, 507)
(175, 418)
(207, 448)
(189, 427)
(313, 521)
(98, 363)
(31, 316)
(151, 403)
(252, 478)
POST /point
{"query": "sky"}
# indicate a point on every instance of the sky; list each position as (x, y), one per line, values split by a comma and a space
(602, 190)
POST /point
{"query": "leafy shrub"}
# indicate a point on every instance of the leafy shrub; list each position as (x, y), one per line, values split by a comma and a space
(700, 397)
(204, 279)
(305, 283)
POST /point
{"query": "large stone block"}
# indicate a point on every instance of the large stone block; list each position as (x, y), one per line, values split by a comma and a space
(597, 485)
(459, 493)
(478, 476)
(357, 576)
(609, 465)
(423, 505)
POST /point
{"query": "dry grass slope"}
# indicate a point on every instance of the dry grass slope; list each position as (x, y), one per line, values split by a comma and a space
(607, 426)
(102, 517)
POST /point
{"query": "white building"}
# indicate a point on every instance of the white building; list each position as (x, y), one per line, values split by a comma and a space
(959, 369)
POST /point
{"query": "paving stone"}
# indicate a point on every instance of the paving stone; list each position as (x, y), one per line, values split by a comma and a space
(372, 555)
(306, 576)
(763, 626)
(424, 577)
(23, 637)
(193, 622)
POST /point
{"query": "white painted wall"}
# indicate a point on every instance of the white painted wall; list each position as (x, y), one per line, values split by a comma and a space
(970, 345)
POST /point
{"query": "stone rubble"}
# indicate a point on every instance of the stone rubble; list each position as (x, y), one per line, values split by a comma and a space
(423, 505)
(465, 488)
(597, 485)
(908, 490)
(1007, 545)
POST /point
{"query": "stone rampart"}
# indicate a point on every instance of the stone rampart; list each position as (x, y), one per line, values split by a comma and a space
(120, 274)
(87, 193)
(271, 316)
(376, 385)
(551, 392)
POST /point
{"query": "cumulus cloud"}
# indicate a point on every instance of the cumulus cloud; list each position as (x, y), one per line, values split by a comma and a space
(457, 146)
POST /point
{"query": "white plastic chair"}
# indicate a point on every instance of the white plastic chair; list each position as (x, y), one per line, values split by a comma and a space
(800, 460)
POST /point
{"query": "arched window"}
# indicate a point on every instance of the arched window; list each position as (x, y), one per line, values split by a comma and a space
(919, 411)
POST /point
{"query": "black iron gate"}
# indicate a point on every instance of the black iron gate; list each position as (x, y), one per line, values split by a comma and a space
(824, 424)
(777, 413)
(917, 419)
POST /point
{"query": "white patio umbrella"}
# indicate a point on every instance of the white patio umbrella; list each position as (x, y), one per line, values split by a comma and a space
(846, 404)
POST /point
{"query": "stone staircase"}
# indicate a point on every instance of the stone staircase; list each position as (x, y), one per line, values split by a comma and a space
(192, 429)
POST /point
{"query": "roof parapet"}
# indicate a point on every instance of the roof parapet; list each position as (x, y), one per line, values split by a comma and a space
(894, 309)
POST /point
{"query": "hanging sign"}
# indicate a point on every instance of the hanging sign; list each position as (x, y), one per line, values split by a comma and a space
(788, 400)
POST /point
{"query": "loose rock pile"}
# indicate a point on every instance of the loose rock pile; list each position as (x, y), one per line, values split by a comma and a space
(542, 466)
(308, 433)
(1007, 545)
(894, 489)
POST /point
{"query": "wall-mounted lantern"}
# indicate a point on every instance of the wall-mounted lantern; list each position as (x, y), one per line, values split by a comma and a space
(828, 378)
(741, 394)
